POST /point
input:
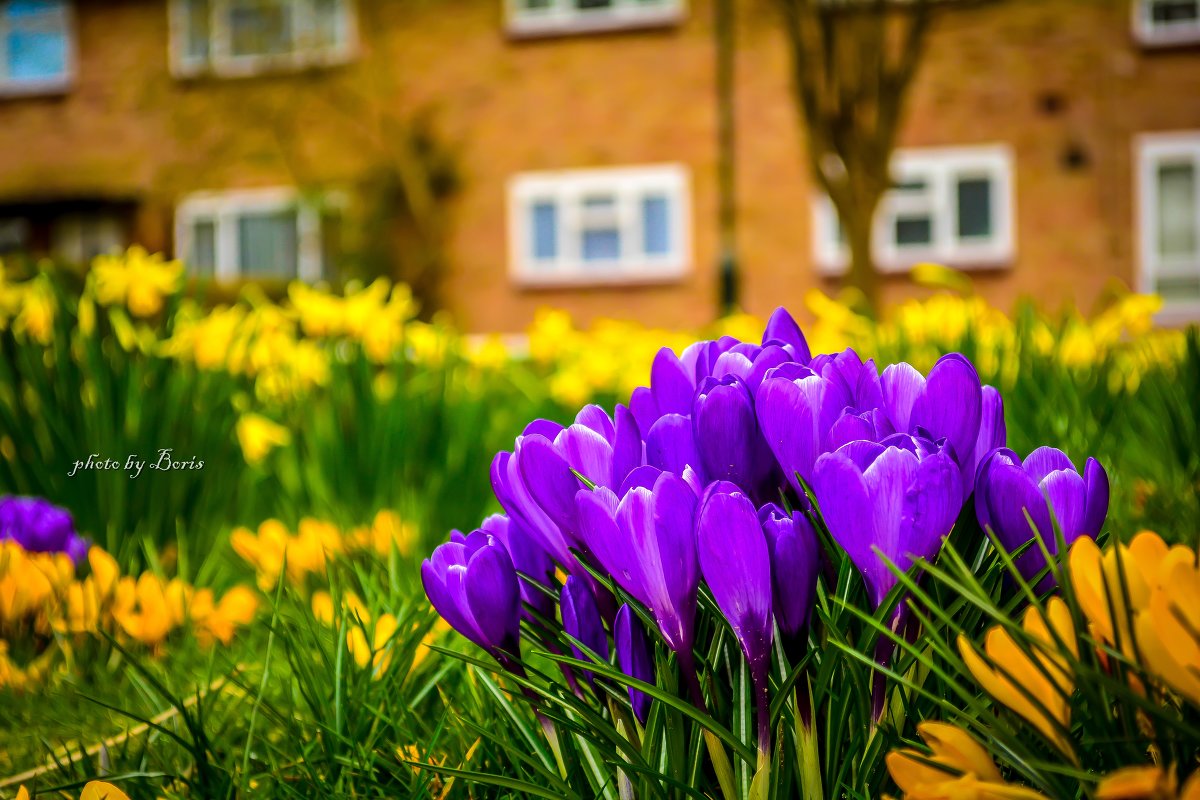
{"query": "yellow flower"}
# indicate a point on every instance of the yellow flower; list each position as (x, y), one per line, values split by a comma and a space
(1146, 783)
(963, 771)
(490, 354)
(258, 436)
(1157, 588)
(136, 279)
(38, 309)
(378, 654)
(387, 531)
(221, 620)
(1036, 688)
(149, 609)
(99, 790)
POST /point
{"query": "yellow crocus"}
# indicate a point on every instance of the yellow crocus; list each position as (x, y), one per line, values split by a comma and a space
(258, 436)
(1019, 676)
(1168, 628)
(1146, 783)
(961, 769)
(99, 790)
(219, 621)
(148, 609)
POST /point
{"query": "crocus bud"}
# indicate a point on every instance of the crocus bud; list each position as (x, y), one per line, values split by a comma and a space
(1046, 482)
(581, 619)
(473, 585)
(730, 445)
(634, 658)
(795, 560)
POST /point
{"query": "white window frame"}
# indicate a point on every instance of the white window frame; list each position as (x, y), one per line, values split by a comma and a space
(1150, 34)
(64, 18)
(567, 189)
(220, 63)
(1150, 150)
(564, 17)
(940, 168)
(224, 208)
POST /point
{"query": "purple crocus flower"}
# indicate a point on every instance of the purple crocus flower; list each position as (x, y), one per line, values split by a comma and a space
(1047, 481)
(515, 497)
(528, 558)
(39, 526)
(993, 432)
(900, 497)
(782, 330)
(581, 619)
(634, 658)
(646, 541)
(946, 405)
(473, 585)
(737, 567)
(795, 560)
(731, 446)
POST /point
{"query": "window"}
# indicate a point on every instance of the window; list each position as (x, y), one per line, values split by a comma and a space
(35, 45)
(81, 237)
(247, 37)
(599, 225)
(1166, 22)
(549, 17)
(262, 233)
(950, 205)
(14, 235)
(1169, 219)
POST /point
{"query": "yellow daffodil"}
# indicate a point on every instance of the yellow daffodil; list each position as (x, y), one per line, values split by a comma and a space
(38, 310)
(258, 436)
(136, 279)
(490, 354)
(1035, 686)
(958, 768)
(377, 653)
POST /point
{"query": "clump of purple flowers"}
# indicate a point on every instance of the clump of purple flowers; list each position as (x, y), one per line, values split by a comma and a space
(707, 478)
(39, 526)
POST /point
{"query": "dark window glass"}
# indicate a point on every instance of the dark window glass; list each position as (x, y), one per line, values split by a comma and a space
(974, 207)
(911, 231)
(267, 244)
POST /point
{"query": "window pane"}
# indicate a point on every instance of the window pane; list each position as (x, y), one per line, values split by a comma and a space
(974, 207)
(1178, 216)
(267, 244)
(913, 231)
(328, 19)
(655, 226)
(601, 244)
(34, 56)
(196, 17)
(203, 258)
(1186, 288)
(545, 231)
(1167, 12)
(584, 4)
(536, 5)
(24, 9)
(260, 28)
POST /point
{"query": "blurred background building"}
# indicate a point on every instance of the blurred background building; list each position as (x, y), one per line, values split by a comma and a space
(506, 156)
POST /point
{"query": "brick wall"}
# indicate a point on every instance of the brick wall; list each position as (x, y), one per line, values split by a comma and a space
(1060, 81)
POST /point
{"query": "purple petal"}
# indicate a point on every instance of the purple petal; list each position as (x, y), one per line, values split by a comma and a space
(634, 658)
(547, 476)
(581, 618)
(670, 383)
(1066, 493)
(737, 566)
(597, 419)
(992, 431)
(1097, 498)
(781, 327)
(787, 413)
(795, 559)
(902, 386)
(846, 507)
(627, 446)
(588, 453)
(494, 597)
(643, 407)
(1044, 460)
(671, 445)
(726, 433)
(607, 541)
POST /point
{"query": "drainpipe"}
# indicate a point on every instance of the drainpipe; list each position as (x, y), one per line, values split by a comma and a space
(727, 266)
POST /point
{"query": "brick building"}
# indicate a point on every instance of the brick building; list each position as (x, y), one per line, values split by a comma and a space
(1049, 146)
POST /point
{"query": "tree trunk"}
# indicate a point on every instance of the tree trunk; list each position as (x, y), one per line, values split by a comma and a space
(861, 275)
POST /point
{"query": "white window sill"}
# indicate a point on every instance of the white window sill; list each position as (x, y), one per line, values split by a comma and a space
(1178, 315)
(260, 66)
(535, 27)
(49, 87)
(625, 276)
(1164, 37)
(838, 268)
